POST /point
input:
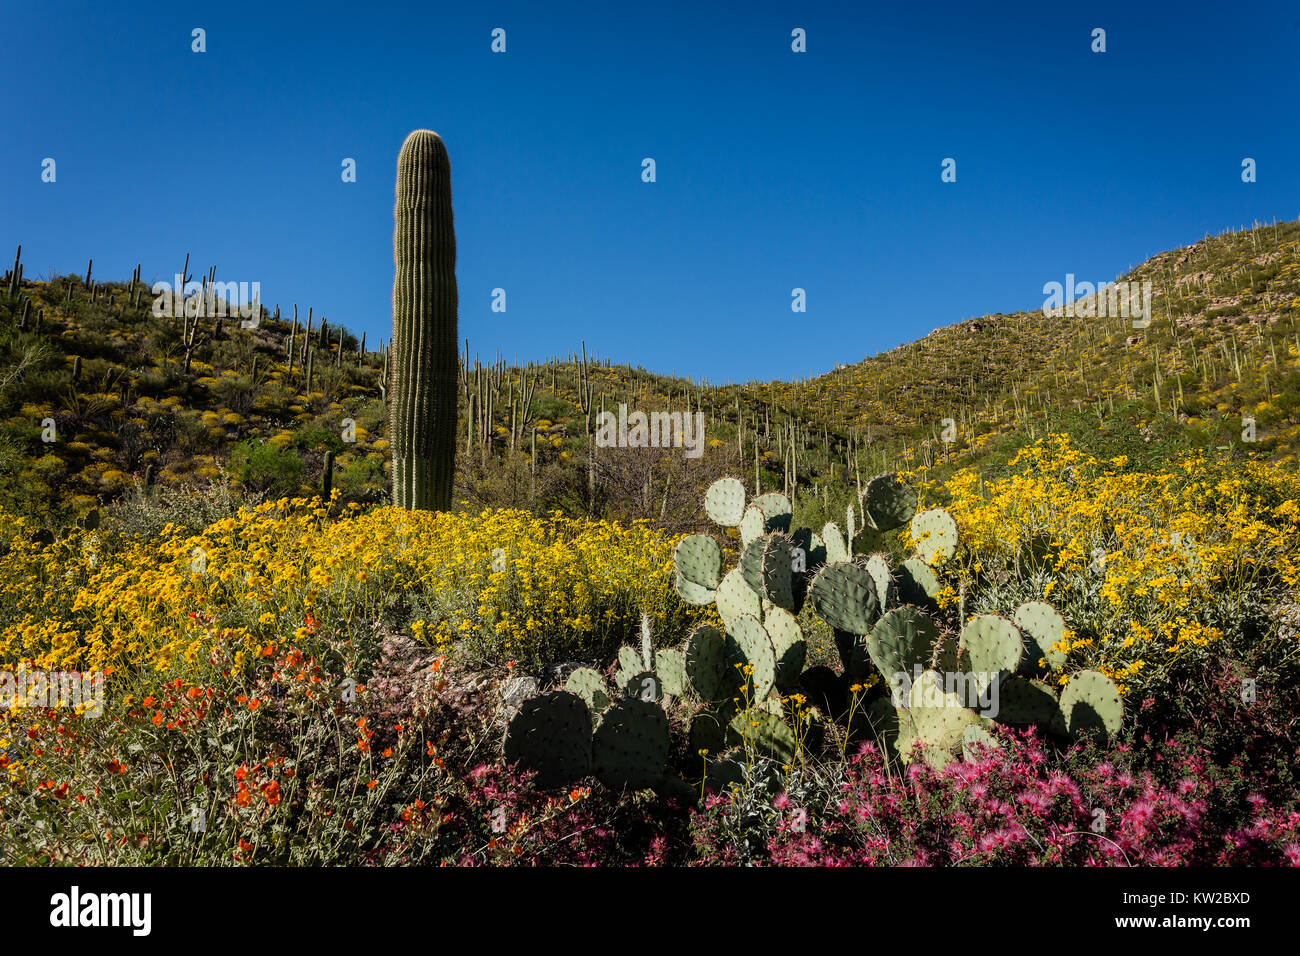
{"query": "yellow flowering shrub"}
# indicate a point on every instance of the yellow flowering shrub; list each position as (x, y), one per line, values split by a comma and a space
(1145, 567)
(500, 585)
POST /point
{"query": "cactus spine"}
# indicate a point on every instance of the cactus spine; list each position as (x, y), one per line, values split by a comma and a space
(422, 421)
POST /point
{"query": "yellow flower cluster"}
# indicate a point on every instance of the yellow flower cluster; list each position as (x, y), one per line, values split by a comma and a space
(1164, 553)
(512, 584)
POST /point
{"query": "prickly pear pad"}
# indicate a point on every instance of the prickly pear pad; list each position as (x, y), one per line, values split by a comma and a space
(844, 596)
(551, 734)
(630, 749)
(724, 502)
(889, 502)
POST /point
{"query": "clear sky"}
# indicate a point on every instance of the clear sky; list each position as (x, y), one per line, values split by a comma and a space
(774, 169)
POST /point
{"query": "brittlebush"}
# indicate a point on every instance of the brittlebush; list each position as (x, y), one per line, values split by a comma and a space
(501, 584)
(1146, 567)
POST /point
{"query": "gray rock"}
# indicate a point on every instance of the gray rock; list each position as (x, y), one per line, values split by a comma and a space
(559, 673)
(516, 690)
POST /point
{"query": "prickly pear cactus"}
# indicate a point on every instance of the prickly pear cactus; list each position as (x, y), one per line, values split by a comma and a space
(588, 684)
(724, 502)
(708, 733)
(814, 546)
(748, 644)
(934, 719)
(837, 549)
(880, 723)
(776, 511)
(706, 661)
(975, 742)
(844, 596)
(698, 559)
(629, 665)
(853, 653)
(1042, 627)
(902, 640)
(879, 617)
(752, 525)
(736, 598)
(630, 748)
(788, 646)
(777, 579)
(765, 732)
(725, 772)
(750, 565)
(670, 665)
(878, 567)
(644, 686)
(692, 593)
(889, 502)
(990, 646)
(551, 734)
(935, 534)
(1022, 702)
(1091, 700)
(917, 584)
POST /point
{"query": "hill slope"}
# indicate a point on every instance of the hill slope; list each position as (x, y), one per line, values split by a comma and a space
(100, 397)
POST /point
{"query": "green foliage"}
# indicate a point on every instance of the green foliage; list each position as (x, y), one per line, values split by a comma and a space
(314, 438)
(361, 479)
(264, 467)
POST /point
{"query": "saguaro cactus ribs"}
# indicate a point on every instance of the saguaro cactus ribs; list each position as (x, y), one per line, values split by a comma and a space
(422, 413)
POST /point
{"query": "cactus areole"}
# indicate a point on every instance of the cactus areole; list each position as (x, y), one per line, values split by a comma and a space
(422, 403)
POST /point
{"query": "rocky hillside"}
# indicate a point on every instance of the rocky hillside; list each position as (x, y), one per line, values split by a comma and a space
(100, 398)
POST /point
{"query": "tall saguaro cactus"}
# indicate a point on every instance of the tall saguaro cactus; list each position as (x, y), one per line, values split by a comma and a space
(422, 409)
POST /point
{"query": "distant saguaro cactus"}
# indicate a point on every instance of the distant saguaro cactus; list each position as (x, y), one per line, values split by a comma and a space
(422, 409)
(327, 477)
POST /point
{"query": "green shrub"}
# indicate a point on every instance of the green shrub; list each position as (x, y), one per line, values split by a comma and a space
(262, 466)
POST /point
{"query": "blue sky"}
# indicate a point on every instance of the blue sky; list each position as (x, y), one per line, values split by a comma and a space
(775, 169)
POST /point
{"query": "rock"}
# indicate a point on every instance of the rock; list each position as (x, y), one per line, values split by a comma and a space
(1288, 622)
(559, 673)
(516, 690)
